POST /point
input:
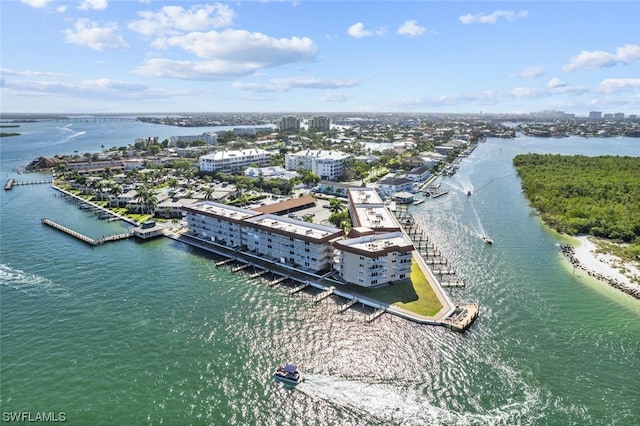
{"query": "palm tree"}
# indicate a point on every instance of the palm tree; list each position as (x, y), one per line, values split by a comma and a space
(208, 193)
(116, 191)
(141, 196)
(335, 205)
(150, 202)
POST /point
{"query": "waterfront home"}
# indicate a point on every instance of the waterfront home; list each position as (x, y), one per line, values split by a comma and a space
(419, 174)
(390, 185)
(371, 259)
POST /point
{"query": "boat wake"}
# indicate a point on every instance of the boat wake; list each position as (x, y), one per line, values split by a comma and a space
(477, 226)
(381, 401)
(386, 403)
(27, 283)
(71, 133)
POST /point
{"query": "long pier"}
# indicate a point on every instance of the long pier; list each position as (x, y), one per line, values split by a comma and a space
(12, 182)
(82, 237)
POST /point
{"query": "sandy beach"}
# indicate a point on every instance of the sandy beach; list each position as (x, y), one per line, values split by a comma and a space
(605, 267)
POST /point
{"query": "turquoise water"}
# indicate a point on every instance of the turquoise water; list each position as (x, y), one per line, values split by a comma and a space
(154, 333)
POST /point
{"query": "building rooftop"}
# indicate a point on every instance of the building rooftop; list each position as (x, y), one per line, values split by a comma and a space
(295, 228)
(284, 206)
(321, 154)
(211, 208)
(220, 155)
(395, 181)
(377, 244)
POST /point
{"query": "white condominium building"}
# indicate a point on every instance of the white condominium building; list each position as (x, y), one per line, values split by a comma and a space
(218, 223)
(208, 137)
(326, 164)
(306, 245)
(284, 240)
(374, 259)
(289, 122)
(367, 210)
(319, 122)
(233, 161)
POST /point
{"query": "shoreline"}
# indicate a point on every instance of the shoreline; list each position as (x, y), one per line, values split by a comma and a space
(604, 267)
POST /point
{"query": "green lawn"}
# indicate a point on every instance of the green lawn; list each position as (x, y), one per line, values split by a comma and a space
(415, 295)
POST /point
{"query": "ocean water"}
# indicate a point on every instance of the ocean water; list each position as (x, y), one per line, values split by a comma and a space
(154, 333)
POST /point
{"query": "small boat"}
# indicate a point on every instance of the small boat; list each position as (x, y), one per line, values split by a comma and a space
(468, 192)
(487, 239)
(288, 373)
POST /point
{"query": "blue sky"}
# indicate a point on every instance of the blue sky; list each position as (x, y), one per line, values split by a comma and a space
(109, 56)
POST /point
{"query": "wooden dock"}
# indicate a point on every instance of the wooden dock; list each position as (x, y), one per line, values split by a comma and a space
(224, 262)
(376, 314)
(259, 273)
(240, 268)
(463, 317)
(299, 288)
(328, 292)
(12, 182)
(277, 281)
(84, 238)
(350, 303)
(452, 283)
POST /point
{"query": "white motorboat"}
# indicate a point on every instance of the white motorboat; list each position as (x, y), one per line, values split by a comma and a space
(288, 373)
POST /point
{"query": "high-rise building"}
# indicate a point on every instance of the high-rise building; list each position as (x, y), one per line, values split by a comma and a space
(319, 123)
(595, 115)
(289, 122)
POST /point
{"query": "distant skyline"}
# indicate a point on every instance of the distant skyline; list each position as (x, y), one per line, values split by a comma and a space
(101, 56)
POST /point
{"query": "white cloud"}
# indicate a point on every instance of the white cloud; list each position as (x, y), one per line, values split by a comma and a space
(28, 73)
(38, 4)
(531, 72)
(175, 19)
(227, 54)
(598, 59)
(286, 84)
(88, 33)
(255, 87)
(241, 46)
(336, 97)
(194, 70)
(492, 18)
(93, 4)
(555, 83)
(411, 29)
(357, 31)
(525, 92)
(614, 85)
(313, 83)
(104, 88)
